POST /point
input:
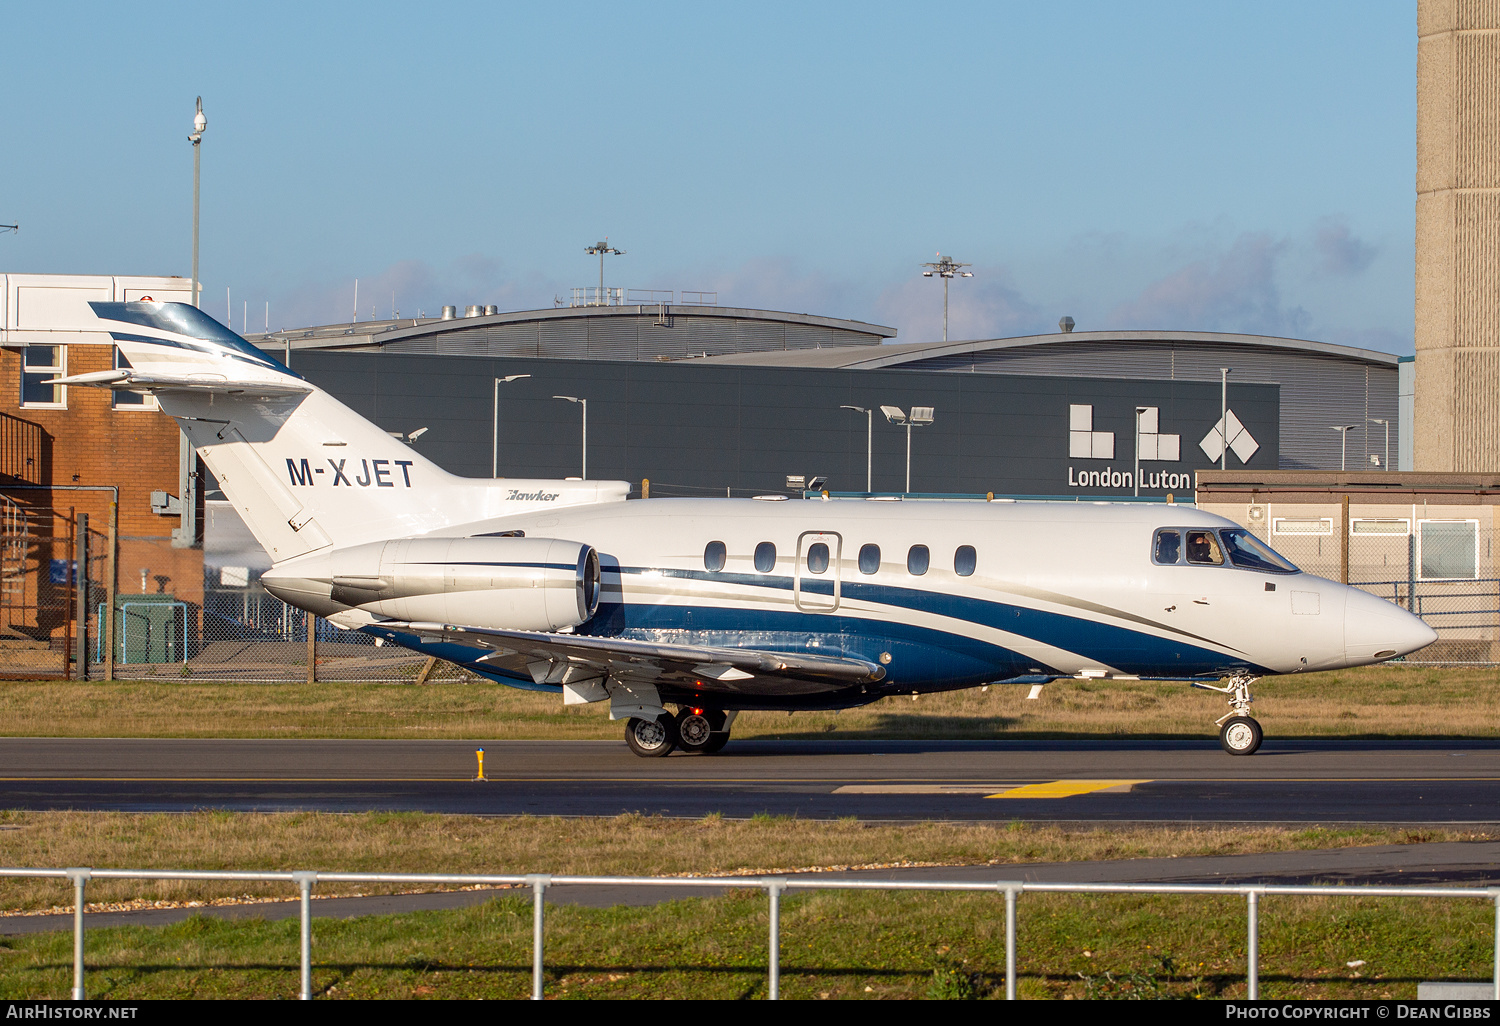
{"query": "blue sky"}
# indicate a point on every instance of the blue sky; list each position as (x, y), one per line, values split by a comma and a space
(1238, 167)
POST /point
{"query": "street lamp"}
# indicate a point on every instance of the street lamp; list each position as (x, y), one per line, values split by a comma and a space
(945, 268)
(1343, 430)
(495, 423)
(1137, 479)
(1224, 417)
(199, 124)
(585, 404)
(601, 248)
(1387, 424)
(921, 416)
(869, 442)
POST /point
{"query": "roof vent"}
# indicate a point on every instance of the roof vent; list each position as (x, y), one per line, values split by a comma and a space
(491, 310)
(473, 310)
(1066, 324)
(450, 312)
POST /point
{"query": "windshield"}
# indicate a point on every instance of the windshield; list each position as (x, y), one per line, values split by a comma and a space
(1247, 551)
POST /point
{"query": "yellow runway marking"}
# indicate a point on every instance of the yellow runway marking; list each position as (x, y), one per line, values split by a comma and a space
(1068, 788)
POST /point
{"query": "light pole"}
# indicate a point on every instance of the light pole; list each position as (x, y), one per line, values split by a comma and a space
(1224, 417)
(1387, 424)
(199, 124)
(1137, 479)
(945, 268)
(495, 423)
(869, 442)
(921, 416)
(585, 404)
(1343, 430)
(601, 248)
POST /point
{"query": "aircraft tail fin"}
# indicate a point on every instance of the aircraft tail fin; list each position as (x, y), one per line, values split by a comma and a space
(302, 469)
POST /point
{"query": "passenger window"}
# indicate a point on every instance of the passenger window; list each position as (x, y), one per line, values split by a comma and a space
(713, 556)
(817, 558)
(1168, 548)
(869, 559)
(964, 560)
(1203, 549)
(916, 560)
(765, 557)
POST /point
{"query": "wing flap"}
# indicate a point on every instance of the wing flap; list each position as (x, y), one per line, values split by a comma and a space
(700, 668)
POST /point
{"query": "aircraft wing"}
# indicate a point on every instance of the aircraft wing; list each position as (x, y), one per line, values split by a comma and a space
(560, 658)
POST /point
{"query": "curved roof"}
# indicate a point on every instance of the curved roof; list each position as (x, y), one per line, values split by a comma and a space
(794, 330)
(862, 358)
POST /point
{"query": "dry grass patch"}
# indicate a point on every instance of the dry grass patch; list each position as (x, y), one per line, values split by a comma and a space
(635, 845)
(1385, 701)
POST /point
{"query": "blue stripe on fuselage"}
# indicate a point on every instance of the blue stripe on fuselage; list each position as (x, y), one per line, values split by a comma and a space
(1130, 651)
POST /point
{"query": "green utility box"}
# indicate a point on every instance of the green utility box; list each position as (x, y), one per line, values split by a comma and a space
(150, 629)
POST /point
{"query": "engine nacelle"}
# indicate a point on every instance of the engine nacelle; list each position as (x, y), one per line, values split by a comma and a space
(531, 584)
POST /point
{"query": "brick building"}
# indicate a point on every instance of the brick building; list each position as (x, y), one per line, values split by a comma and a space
(66, 451)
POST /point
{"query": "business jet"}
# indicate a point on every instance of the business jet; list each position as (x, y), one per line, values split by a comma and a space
(714, 606)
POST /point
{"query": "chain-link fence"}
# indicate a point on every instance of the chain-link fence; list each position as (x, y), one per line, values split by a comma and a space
(1435, 562)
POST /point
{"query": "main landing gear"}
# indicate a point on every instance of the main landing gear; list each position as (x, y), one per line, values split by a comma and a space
(1239, 733)
(692, 730)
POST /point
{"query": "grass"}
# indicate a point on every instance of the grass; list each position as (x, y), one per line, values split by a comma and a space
(834, 945)
(1385, 701)
(628, 845)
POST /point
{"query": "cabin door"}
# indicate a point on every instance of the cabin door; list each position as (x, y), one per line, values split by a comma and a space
(815, 582)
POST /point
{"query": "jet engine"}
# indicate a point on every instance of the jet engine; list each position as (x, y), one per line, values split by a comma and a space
(532, 584)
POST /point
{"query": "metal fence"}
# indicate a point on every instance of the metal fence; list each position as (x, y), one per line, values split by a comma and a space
(774, 886)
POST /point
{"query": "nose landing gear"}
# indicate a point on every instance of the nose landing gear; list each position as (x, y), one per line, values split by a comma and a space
(1239, 733)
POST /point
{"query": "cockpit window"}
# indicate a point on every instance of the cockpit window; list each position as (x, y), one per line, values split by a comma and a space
(1168, 548)
(1203, 549)
(1246, 550)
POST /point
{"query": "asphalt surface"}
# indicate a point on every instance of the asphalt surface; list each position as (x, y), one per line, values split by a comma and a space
(1288, 781)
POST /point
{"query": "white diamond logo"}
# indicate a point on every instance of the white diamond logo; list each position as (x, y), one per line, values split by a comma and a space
(1241, 442)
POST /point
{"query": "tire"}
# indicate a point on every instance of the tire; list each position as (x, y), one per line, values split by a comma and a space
(651, 739)
(695, 730)
(1240, 735)
(716, 741)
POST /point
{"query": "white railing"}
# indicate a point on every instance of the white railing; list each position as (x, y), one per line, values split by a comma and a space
(774, 886)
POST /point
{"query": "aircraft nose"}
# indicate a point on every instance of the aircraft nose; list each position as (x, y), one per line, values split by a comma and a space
(1375, 629)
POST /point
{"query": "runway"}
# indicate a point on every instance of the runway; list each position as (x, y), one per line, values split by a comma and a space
(1288, 781)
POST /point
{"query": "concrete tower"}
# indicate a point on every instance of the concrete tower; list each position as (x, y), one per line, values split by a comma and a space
(1458, 236)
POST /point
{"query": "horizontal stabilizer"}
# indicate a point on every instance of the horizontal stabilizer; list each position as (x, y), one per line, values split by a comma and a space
(127, 380)
(691, 667)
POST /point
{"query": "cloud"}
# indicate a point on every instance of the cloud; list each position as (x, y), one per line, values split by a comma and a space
(984, 306)
(1232, 290)
(413, 287)
(1339, 251)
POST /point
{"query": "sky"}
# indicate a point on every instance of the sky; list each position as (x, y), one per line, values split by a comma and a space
(1244, 167)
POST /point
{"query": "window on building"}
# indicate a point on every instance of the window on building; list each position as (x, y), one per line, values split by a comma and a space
(39, 364)
(713, 556)
(130, 400)
(765, 557)
(869, 559)
(917, 559)
(964, 560)
(1448, 549)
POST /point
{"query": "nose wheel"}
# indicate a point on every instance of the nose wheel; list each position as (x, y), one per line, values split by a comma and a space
(1239, 733)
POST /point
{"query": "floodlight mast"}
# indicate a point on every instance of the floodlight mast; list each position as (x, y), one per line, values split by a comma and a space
(945, 268)
(601, 248)
(921, 416)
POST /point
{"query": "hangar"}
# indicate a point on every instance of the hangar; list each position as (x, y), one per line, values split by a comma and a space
(702, 399)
